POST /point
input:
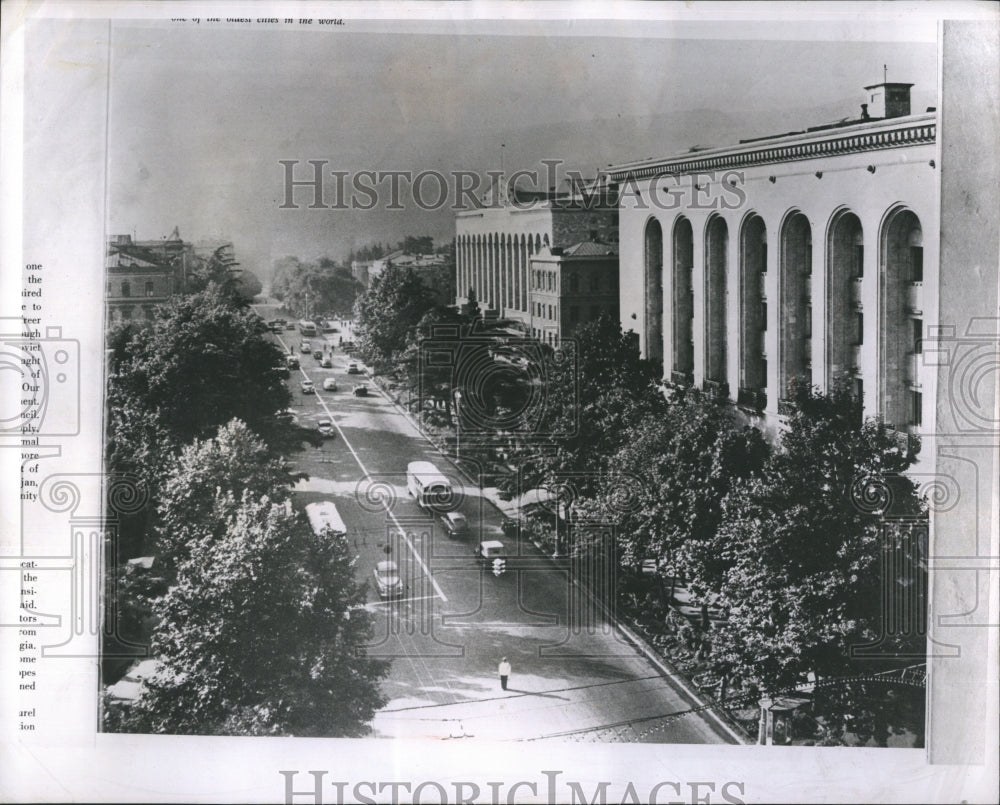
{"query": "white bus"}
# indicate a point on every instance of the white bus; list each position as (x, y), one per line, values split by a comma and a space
(307, 327)
(428, 484)
(323, 515)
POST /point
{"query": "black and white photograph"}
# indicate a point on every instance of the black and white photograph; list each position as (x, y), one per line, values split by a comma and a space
(500, 402)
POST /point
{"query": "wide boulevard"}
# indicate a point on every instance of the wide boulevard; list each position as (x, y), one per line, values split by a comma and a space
(574, 675)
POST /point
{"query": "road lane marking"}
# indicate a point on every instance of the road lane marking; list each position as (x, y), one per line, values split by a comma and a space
(388, 511)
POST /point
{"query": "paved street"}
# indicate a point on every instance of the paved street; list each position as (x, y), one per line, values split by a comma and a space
(573, 677)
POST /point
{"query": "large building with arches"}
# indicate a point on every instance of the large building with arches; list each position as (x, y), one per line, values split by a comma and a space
(495, 245)
(811, 255)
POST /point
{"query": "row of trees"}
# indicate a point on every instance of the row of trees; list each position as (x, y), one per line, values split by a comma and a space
(256, 622)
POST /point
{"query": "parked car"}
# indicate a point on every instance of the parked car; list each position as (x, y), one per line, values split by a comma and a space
(353, 368)
(307, 387)
(387, 580)
(325, 427)
(330, 384)
(305, 347)
(293, 362)
(283, 372)
(318, 354)
(361, 390)
(455, 525)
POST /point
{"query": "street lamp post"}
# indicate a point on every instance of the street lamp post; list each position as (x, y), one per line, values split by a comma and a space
(458, 424)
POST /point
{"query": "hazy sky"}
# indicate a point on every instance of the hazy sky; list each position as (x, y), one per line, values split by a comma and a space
(200, 116)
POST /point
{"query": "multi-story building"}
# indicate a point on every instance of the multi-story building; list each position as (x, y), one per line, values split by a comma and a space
(138, 278)
(496, 243)
(569, 287)
(811, 255)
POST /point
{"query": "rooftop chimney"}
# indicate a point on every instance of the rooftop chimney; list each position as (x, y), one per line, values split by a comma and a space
(888, 100)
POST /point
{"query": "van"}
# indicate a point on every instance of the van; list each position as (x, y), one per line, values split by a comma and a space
(324, 515)
(428, 485)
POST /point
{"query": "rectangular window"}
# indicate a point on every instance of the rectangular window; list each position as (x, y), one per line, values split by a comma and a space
(149, 289)
(916, 408)
(859, 391)
(809, 321)
(918, 328)
(550, 313)
(859, 261)
(916, 264)
(763, 315)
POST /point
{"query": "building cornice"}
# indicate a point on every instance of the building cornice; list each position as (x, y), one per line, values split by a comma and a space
(868, 136)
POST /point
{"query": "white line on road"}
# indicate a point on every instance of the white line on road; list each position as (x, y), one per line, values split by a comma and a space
(388, 511)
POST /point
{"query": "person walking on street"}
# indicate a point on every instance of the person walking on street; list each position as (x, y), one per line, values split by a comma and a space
(504, 671)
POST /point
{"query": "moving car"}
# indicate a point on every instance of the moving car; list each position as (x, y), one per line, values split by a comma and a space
(330, 384)
(307, 387)
(305, 347)
(353, 368)
(325, 427)
(455, 525)
(387, 580)
(293, 362)
(318, 354)
(361, 390)
(327, 362)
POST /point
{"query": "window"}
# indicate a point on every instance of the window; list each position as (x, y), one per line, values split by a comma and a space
(595, 282)
(859, 391)
(916, 408)
(859, 261)
(918, 327)
(126, 289)
(763, 315)
(809, 322)
(859, 329)
(552, 280)
(916, 263)
(550, 312)
(149, 288)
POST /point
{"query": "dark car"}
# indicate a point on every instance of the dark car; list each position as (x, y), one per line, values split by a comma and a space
(455, 525)
(361, 390)
(293, 362)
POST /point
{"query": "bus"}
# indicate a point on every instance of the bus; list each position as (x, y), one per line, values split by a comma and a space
(428, 485)
(307, 327)
(324, 515)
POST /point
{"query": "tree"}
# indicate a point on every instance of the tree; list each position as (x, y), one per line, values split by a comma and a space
(668, 481)
(203, 362)
(262, 634)
(308, 290)
(800, 546)
(592, 388)
(234, 462)
(394, 303)
(417, 244)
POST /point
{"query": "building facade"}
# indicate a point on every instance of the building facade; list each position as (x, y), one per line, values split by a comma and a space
(138, 278)
(569, 287)
(806, 256)
(495, 244)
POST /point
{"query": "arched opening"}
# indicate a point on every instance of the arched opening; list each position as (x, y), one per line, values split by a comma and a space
(716, 258)
(796, 302)
(753, 313)
(653, 291)
(683, 302)
(902, 272)
(844, 314)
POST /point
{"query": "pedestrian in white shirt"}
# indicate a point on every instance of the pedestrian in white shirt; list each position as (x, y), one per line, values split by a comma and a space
(504, 671)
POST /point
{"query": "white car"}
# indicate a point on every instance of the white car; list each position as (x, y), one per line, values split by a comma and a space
(307, 387)
(387, 580)
(330, 384)
(325, 427)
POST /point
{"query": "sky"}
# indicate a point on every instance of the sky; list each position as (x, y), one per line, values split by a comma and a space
(201, 116)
